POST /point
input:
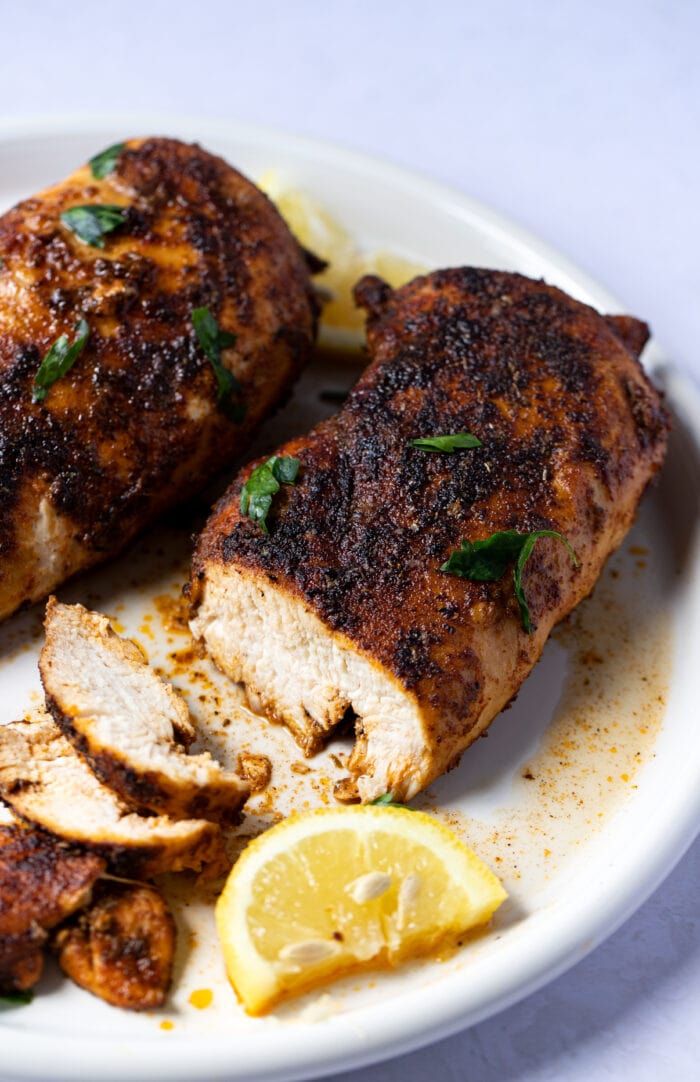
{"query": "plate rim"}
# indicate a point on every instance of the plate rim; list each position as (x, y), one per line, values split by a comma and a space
(354, 1040)
(82, 122)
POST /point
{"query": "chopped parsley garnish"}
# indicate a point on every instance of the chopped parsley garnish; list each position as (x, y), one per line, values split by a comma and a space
(103, 163)
(486, 561)
(386, 800)
(17, 999)
(264, 483)
(447, 445)
(91, 222)
(213, 340)
(60, 358)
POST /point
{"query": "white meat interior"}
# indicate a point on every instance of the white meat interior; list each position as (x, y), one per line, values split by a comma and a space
(307, 677)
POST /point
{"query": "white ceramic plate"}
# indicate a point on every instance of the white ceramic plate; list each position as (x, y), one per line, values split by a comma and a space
(586, 792)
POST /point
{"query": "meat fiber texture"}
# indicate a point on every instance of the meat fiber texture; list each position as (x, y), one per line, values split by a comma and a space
(47, 783)
(140, 422)
(128, 723)
(343, 611)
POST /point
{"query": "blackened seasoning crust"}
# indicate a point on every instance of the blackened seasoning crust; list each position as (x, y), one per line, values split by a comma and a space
(571, 433)
(121, 948)
(41, 883)
(134, 427)
(47, 783)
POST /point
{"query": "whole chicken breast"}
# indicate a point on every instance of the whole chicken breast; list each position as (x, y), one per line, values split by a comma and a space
(344, 611)
(106, 270)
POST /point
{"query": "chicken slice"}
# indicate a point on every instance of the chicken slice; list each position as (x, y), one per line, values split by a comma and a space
(42, 881)
(47, 783)
(127, 722)
(121, 948)
(151, 409)
(343, 609)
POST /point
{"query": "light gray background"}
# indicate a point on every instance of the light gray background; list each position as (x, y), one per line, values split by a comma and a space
(580, 120)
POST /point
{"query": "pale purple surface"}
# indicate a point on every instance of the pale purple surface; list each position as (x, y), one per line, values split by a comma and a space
(581, 120)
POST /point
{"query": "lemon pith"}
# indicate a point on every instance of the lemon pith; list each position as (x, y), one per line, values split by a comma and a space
(332, 890)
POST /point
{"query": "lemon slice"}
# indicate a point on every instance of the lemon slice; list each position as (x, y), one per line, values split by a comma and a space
(317, 230)
(332, 890)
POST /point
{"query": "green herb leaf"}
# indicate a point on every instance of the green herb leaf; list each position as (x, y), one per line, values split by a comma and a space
(386, 800)
(264, 483)
(525, 554)
(209, 335)
(447, 445)
(487, 560)
(91, 222)
(213, 340)
(60, 358)
(17, 999)
(285, 469)
(103, 163)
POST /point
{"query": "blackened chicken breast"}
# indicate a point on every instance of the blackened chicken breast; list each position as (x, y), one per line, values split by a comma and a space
(344, 610)
(106, 270)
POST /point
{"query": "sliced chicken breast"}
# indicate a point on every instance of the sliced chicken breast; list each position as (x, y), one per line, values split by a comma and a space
(42, 881)
(115, 263)
(47, 783)
(343, 610)
(122, 947)
(127, 722)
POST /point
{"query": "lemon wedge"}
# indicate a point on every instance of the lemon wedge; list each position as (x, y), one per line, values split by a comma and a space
(337, 889)
(317, 230)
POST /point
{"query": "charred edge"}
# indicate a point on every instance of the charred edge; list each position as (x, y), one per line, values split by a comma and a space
(651, 419)
(141, 791)
(315, 263)
(120, 859)
(145, 793)
(372, 293)
(633, 333)
(133, 788)
(36, 848)
(127, 860)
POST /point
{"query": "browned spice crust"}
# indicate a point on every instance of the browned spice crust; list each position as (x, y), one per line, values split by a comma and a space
(41, 882)
(572, 430)
(121, 948)
(134, 427)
